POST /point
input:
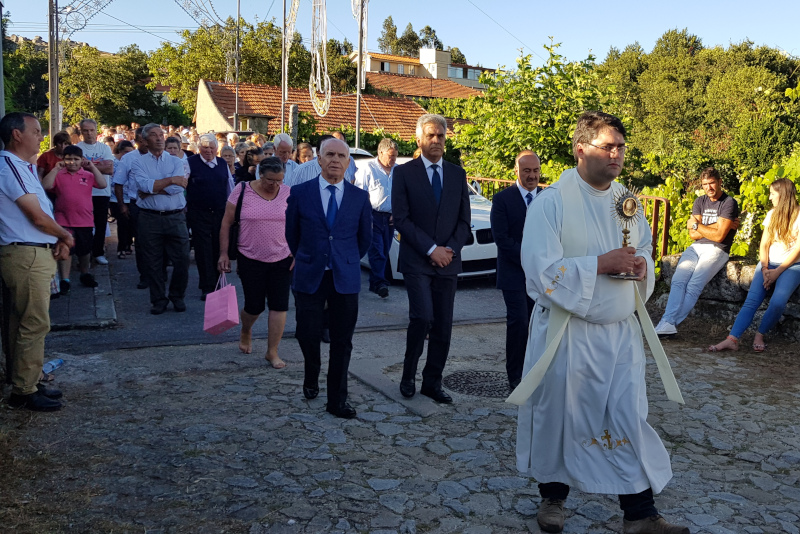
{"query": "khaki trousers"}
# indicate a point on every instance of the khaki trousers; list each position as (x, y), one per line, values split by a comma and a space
(27, 272)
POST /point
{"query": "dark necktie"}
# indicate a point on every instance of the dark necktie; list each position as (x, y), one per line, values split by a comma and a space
(436, 182)
(528, 199)
(333, 207)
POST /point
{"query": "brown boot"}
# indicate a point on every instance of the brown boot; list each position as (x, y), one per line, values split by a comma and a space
(655, 524)
(551, 515)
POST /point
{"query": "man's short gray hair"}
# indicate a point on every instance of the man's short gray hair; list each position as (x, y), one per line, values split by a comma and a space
(386, 144)
(208, 140)
(431, 118)
(331, 140)
(80, 124)
(283, 138)
(147, 128)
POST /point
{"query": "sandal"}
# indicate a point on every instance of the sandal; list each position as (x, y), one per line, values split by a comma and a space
(759, 347)
(715, 348)
(46, 377)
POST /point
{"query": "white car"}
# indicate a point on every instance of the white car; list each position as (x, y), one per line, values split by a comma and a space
(479, 255)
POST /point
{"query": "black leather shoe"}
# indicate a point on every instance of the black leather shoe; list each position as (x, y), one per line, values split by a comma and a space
(310, 392)
(159, 307)
(437, 394)
(383, 292)
(142, 285)
(179, 305)
(343, 410)
(326, 335)
(35, 402)
(407, 388)
(50, 393)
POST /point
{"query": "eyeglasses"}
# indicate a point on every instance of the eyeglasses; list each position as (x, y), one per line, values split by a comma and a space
(274, 182)
(620, 149)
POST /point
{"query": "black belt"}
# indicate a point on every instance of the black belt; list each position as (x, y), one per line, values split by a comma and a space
(382, 212)
(28, 244)
(156, 212)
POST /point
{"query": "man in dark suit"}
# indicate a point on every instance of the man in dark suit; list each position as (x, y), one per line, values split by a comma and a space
(430, 205)
(328, 229)
(509, 208)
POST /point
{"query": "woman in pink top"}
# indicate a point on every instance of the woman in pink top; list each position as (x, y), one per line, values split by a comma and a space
(265, 262)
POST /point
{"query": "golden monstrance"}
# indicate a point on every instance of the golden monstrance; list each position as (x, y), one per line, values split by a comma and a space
(626, 210)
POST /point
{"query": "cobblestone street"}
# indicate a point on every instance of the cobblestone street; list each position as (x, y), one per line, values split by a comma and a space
(205, 439)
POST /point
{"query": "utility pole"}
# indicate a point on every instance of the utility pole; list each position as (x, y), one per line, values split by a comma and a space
(284, 63)
(236, 59)
(2, 76)
(52, 70)
(358, 72)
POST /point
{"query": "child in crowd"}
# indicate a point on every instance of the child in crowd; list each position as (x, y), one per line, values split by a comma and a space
(72, 180)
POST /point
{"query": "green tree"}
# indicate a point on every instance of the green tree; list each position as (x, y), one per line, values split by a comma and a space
(408, 44)
(457, 57)
(530, 108)
(387, 42)
(110, 88)
(428, 39)
(25, 78)
(341, 69)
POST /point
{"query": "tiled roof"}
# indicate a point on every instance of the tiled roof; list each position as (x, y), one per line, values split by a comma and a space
(394, 115)
(396, 59)
(403, 84)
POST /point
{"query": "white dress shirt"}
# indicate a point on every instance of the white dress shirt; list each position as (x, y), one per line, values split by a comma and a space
(325, 194)
(524, 192)
(373, 179)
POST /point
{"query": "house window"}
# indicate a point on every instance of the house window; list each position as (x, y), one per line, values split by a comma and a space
(412, 70)
(400, 69)
(474, 74)
(454, 72)
(386, 66)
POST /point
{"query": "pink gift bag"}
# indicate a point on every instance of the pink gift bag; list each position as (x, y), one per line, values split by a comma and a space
(222, 309)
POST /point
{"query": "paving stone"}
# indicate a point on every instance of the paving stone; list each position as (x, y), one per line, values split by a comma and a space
(396, 502)
(461, 444)
(389, 429)
(379, 484)
(702, 520)
(596, 511)
(506, 483)
(451, 490)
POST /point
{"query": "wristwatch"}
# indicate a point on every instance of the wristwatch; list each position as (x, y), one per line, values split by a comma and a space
(694, 227)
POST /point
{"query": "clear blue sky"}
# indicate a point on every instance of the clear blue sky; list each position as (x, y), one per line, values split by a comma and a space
(581, 26)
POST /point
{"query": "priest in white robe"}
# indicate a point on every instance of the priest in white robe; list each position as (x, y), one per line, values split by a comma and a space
(585, 425)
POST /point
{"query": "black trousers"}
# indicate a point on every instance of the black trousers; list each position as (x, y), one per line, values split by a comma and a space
(100, 208)
(343, 310)
(161, 235)
(124, 233)
(133, 209)
(205, 225)
(519, 307)
(634, 506)
(430, 311)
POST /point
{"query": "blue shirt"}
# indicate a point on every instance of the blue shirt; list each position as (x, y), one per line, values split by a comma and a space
(147, 169)
(18, 178)
(374, 180)
(122, 174)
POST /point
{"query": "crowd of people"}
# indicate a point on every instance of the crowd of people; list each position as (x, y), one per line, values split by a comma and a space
(305, 216)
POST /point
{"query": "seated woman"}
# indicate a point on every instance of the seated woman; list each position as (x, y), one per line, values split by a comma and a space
(247, 172)
(779, 267)
(265, 262)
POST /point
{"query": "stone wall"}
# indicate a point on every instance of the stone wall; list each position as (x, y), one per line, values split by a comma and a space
(723, 297)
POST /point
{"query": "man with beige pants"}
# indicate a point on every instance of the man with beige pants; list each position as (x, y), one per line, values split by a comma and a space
(30, 243)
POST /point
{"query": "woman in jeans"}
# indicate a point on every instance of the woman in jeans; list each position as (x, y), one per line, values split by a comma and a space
(779, 267)
(265, 263)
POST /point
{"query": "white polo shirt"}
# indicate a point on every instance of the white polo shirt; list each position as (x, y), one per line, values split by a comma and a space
(17, 178)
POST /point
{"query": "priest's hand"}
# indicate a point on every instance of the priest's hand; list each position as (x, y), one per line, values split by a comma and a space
(619, 260)
(640, 268)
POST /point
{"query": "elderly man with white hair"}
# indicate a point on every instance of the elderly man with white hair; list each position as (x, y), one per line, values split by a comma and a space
(284, 146)
(311, 169)
(210, 183)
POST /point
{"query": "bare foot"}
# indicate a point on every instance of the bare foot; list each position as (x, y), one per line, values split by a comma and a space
(275, 361)
(246, 342)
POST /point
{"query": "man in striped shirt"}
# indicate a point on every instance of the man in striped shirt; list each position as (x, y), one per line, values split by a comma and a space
(30, 243)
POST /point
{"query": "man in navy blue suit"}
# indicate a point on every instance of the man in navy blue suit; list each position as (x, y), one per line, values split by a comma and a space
(430, 206)
(509, 208)
(329, 229)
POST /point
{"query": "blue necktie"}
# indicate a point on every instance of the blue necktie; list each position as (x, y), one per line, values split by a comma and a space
(333, 207)
(436, 182)
(528, 199)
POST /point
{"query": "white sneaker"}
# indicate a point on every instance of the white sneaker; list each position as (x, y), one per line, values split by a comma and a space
(101, 260)
(665, 329)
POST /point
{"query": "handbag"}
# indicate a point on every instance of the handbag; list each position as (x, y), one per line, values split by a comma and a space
(233, 236)
(222, 309)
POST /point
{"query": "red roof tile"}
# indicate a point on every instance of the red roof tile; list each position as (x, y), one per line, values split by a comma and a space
(403, 84)
(394, 115)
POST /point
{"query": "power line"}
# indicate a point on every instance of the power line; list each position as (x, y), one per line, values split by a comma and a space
(505, 30)
(140, 29)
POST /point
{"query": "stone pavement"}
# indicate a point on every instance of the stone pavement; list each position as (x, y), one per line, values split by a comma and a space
(85, 307)
(204, 439)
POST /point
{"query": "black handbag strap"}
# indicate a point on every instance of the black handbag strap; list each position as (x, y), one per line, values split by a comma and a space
(238, 216)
